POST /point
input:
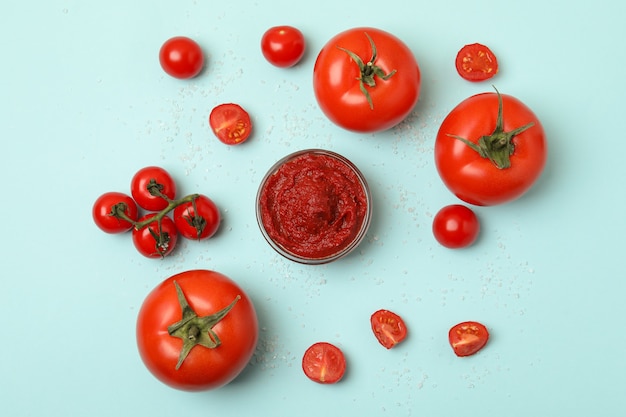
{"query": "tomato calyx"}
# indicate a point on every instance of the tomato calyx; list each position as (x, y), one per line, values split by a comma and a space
(368, 70)
(195, 330)
(498, 146)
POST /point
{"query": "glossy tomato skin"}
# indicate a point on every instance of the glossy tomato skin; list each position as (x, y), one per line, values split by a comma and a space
(139, 187)
(456, 226)
(103, 206)
(283, 46)
(203, 369)
(181, 57)
(474, 179)
(185, 218)
(337, 89)
(145, 241)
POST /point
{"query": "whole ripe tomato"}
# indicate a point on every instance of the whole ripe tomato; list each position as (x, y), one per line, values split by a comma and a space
(230, 123)
(156, 239)
(456, 226)
(366, 80)
(388, 327)
(490, 149)
(197, 219)
(197, 330)
(110, 210)
(181, 57)
(324, 363)
(283, 46)
(468, 338)
(152, 187)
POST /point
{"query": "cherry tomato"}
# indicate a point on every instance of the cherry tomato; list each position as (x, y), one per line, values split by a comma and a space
(110, 209)
(230, 123)
(468, 337)
(152, 187)
(198, 219)
(388, 327)
(197, 330)
(490, 149)
(181, 57)
(283, 46)
(476, 62)
(155, 240)
(366, 80)
(456, 226)
(324, 363)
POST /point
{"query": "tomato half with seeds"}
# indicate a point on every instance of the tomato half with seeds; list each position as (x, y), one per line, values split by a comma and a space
(476, 62)
(388, 327)
(114, 212)
(155, 238)
(197, 330)
(230, 123)
(490, 149)
(197, 219)
(324, 363)
(468, 338)
(366, 80)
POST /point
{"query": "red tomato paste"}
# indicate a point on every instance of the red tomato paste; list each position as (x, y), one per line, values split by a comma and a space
(314, 205)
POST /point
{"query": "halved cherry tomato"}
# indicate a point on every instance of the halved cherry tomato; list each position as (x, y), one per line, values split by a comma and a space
(230, 123)
(476, 62)
(468, 337)
(324, 363)
(388, 327)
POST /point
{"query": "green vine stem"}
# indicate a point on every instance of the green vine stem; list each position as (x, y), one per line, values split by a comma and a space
(498, 146)
(368, 70)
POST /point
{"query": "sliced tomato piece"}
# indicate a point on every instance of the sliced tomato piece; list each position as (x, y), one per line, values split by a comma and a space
(468, 337)
(324, 363)
(388, 327)
(230, 123)
(476, 62)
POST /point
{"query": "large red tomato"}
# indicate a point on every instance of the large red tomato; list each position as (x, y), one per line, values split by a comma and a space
(490, 149)
(197, 330)
(366, 80)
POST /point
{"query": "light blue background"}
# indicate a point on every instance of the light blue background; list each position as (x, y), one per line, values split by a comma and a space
(85, 104)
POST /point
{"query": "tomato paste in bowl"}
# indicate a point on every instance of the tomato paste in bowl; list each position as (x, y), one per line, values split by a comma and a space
(314, 206)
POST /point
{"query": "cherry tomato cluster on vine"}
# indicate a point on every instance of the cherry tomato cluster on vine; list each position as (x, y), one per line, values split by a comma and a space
(154, 214)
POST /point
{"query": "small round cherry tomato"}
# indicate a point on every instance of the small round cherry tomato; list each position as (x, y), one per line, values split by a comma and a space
(388, 327)
(181, 57)
(324, 363)
(283, 46)
(467, 338)
(230, 123)
(456, 226)
(152, 187)
(476, 62)
(110, 209)
(197, 330)
(155, 240)
(198, 219)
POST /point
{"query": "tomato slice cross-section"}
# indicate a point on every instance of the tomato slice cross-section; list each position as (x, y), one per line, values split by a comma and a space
(324, 363)
(388, 327)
